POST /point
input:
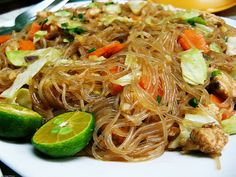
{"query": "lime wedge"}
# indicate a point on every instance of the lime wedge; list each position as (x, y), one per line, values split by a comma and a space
(17, 121)
(65, 134)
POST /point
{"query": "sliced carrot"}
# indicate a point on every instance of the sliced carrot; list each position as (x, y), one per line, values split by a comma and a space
(26, 45)
(227, 114)
(108, 50)
(156, 90)
(4, 38)
(215, 99)
(191, 39)
(33, 29)
(115, 88)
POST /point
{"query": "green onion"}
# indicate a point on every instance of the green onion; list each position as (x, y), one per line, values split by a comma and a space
(109, 3)
(215, 73)
(64, 25)
(92, 50)
(77, 30)
(159, 99)
(193, 102)
(81, 17)
(194, 20)
(43, 22)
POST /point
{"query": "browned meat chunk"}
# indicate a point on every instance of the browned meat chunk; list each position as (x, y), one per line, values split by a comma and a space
(209, 139)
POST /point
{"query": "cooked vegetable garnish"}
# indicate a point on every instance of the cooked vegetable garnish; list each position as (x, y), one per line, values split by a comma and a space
(231, 46)
(214, 47)
(194, 67)
(4, 38)
(191, 39)
(229, 125)
(33, 29)
(108, 50)
(193, 102)
(26, 45)
(215, 73)
(159, 99)
(194, 20)
(92, 50)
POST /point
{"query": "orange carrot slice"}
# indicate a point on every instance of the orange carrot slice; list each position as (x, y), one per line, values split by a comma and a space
(4, 38)
(26, 45)
(108, 50)
(191, 39)
(33, 29)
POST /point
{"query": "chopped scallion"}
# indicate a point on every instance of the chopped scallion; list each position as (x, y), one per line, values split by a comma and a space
(92, 50)
(193, 102)
(215, 73)
(159, 99)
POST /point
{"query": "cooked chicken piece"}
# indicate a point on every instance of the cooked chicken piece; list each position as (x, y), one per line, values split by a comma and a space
(222, 86)
(209, 139)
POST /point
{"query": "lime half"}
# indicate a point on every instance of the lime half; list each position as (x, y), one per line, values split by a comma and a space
(17, 121)
(65, 134)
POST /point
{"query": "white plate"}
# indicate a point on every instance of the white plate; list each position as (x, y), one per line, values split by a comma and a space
(22, 159)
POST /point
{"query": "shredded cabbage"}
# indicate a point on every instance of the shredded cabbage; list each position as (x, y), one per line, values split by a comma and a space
(108, 19)
(231, 46)
(46, 56)
(113, 9)
(194, 67)
(136, 6)
(229, 125)
(127, 79)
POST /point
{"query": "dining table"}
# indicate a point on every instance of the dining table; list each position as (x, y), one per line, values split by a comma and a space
(9, 9)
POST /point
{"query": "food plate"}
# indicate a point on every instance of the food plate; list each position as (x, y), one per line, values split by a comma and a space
(22, 158)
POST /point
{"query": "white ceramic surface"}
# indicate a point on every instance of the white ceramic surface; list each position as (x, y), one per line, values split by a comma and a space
(23, 159)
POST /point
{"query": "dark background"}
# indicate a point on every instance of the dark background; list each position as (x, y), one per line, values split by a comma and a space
(7, 5)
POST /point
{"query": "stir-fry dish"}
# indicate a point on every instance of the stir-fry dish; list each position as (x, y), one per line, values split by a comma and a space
(121, 82)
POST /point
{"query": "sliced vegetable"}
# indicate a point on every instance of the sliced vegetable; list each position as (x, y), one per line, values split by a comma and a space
(194, 20)
(136, 6)
(108, 19)
(203, 29)
(126, 79)
(38, 35)
(215, 48)
(231, 46)
(200, 118)
(23, 78)
(92, 5)
(229, 125)
(72, 28)
(92, 50)
(194, 67)
(115, 89)
(113, 9)
(188, 14)
(108, 50)
(159, 99)
(26, 45)
(33, 29)
(191, 39)
(155, 90)
(63, 13)
(19, 57)
(215, 73)
(193, 102)
(216, 100)
(4, 38)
